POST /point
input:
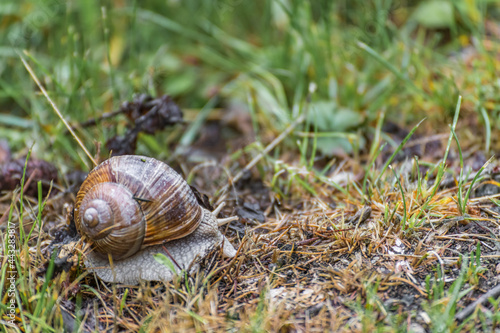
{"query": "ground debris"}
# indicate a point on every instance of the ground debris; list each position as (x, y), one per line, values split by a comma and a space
(37, 170)
(361, 215)
(251, 211)
(147, 115)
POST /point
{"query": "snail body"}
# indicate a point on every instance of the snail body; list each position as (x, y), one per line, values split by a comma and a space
(131, 207)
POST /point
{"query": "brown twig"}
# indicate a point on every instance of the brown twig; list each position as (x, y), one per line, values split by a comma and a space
(172, 258)
(492, 293)
(257, 158)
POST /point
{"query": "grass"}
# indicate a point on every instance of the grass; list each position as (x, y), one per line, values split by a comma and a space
(325, 98)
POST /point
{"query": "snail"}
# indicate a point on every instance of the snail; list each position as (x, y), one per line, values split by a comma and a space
(132, 207)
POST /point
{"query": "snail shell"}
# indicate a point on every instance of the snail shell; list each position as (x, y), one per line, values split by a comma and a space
(130, 202)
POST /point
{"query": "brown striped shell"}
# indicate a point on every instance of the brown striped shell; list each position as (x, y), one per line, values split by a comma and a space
(130, 202)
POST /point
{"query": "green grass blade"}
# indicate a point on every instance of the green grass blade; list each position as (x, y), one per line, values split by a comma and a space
(48, 276)
(487, 129)
(453, 127)
(166, 261)
(390, 67)
(401, 145)
(403, 221)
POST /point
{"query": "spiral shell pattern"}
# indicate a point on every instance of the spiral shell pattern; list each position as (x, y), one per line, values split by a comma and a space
(130, 202)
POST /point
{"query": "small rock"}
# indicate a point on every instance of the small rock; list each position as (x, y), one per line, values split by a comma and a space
(416, 328)
(486, 190)
(251, 212)
(425, 317)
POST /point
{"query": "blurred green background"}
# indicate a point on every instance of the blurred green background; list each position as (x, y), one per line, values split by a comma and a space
(348, 62)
